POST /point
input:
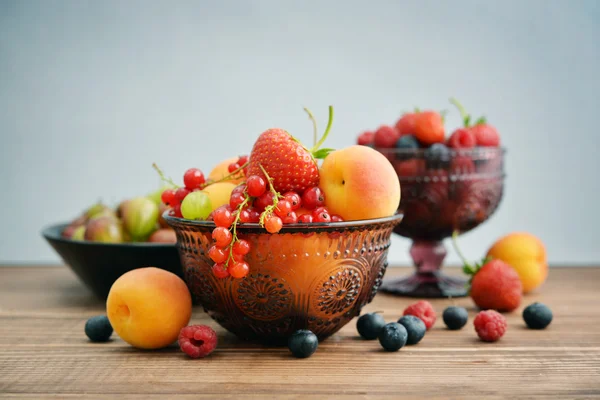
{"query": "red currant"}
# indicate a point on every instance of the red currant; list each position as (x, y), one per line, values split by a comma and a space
(273, 223)
(305, 219)
(220, 270)
(241, 247)
(244, 216)
(256, 185)
(291, 218)
(241, 188)
(168, 197)
(217, 254)
(180, 194)
(177, 211)
(313, 198)
(233, 167)
(239, 270)
(321, 214)
(294, 199)
(236, 199)
(336, 218)
(242, 160)
(283, 208)
(263, 201)
(254, 214)
(221, 236)
(223, 217)
(193, 178)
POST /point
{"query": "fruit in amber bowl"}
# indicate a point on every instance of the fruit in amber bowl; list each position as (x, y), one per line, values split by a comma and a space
(308, 276)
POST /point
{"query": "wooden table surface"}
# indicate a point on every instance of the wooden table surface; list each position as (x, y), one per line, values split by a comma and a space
(45, 354)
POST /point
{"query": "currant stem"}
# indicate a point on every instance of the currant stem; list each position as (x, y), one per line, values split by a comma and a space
(163, 177)
(314, 122)
(324, 137)
(463, 113)
(234, 237)
(228, 177)
(276, 196)
(457, 249)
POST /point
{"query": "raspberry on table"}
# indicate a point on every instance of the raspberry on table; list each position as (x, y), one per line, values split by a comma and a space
(197, 341)
(424, 310)
(490, 325)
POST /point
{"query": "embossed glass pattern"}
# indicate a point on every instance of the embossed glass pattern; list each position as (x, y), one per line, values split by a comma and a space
(315, 276)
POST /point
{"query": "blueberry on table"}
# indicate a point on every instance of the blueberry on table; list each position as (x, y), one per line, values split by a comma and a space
(393, 336)
(537, 316)
(98, 328)
(455, 317)
(303, 343)
(415, 328)
(369, 325)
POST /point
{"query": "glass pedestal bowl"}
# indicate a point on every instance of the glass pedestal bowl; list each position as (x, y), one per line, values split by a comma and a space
(442, 192)
(308, 276)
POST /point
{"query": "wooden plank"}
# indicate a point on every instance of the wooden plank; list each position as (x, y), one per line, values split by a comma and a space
(45, 354)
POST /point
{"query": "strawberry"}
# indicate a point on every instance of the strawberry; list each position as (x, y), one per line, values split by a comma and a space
(406, 123)
(494, 285)
(290, 165)
(484, 134)
(429, 127)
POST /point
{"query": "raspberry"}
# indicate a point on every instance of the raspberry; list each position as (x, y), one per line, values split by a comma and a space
(490, 325)
(423, 310)
(197, 341)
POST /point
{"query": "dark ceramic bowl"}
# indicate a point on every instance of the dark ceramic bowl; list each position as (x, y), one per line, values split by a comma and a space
(308, 276)
(98, 265)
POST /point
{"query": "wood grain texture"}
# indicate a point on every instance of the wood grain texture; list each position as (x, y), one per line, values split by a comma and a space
(44, 353)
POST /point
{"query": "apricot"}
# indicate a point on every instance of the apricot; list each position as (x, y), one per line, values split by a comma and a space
(147, 307)
(526, 254)
(219, 193)
(221, 170)
(359, 183)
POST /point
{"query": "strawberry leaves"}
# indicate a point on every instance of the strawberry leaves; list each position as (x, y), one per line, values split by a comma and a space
(465, 116)
(468, 268)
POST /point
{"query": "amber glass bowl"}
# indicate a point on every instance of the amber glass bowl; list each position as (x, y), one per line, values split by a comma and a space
(307, 276)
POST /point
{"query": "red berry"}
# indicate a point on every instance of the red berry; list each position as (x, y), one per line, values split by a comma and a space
(283, 208)
(365, 138)
(486, 135)
(336, 218)
(254, 214)
(291, 218)
(496, 286)
(236, 199)
(223, 217)
(490, 325)
(294, 199)
(406, 124)
(462, 138)
(197, 341)
(220, 270)
(241, 188)
(177, 211)
(221, 236)
(321, 214)
(305, 219)
(193, 178)
(233, 167)
(313, 198)
(217, 254)
(241, 247)
(180, 194)
(273, 223)
(168, 197)
(263, 201)
(386, 136)
(256, 185)
(423, 310)
(239, 269)
(244, 216)
(242, 160)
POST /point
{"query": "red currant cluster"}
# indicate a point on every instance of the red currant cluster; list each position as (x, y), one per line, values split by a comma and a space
(241, 162)
(256, 201)
(193, 179)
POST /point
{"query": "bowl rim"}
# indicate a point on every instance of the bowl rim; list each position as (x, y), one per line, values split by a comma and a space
(313, 227)
(49, 232)
(453, 152)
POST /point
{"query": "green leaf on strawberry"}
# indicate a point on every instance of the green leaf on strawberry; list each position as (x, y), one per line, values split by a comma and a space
(468, 268)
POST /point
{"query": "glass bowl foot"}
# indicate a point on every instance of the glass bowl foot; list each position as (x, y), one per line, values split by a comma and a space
(429, 285)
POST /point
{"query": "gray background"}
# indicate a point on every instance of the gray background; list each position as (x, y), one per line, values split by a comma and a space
(93, 92)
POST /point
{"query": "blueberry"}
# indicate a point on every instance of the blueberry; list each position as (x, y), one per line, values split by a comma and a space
(303, 343)
(407, 142)
(455, 317)
(437, 156)
(393, 336)
(415, 328)
(98, 328)
(369, 325)
(537, 316)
